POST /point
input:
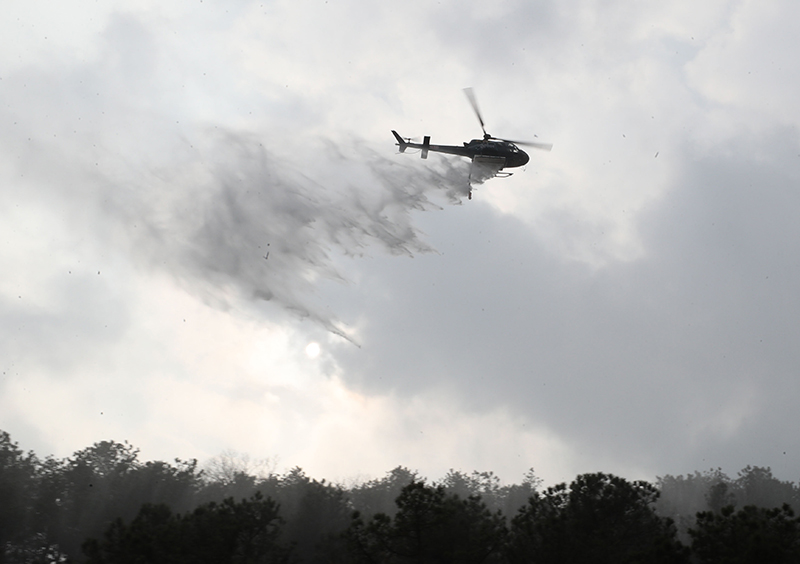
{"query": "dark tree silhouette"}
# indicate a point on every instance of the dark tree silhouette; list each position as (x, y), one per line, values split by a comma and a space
(719, 495)
(757, 486)
(162, 512)
(516, 496)
(106, 481)
(17, 491)
(682, 498)
(597, 519)
(430, 526)
(228, 532)
(378, 496)
(47, 508)
(485, 485)
(752, 535)
(316, 514)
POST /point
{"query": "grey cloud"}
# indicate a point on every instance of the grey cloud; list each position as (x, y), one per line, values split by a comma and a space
(208, 203)
(79, 315)
(679, 360)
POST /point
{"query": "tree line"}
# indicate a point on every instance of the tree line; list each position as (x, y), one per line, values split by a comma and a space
(104, 505)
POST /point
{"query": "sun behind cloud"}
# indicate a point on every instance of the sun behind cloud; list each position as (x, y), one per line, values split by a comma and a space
(312, 350)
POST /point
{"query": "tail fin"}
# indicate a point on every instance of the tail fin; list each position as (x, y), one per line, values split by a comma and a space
(426, 143)
(400, 142)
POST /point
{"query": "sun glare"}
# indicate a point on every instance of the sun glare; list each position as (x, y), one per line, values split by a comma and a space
(312, 350)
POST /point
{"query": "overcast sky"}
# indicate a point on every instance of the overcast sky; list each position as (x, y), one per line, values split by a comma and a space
(626, 303)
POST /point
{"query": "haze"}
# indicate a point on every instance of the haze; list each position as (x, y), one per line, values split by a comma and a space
(626, 303)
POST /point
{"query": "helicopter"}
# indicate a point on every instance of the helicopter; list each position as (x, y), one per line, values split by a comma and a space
(489, 156)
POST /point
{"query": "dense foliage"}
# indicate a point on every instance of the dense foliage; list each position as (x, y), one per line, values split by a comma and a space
(429, 526)
(597, 519)
(752, 534)
(228, 532)
(103, 505)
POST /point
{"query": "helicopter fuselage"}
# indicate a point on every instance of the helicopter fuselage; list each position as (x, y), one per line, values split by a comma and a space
(513, 156)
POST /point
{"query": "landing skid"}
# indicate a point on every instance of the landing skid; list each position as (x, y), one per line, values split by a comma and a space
(483, 179)
(485, 175)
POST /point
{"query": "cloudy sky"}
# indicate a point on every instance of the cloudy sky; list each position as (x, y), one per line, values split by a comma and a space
(626, 303)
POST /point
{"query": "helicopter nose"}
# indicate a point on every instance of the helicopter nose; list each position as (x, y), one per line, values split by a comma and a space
(523, 158)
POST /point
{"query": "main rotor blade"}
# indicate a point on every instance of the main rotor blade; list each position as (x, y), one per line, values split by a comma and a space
(542, 146)
(474, 103)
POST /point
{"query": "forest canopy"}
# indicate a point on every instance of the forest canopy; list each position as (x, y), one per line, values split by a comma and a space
(103, 504)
